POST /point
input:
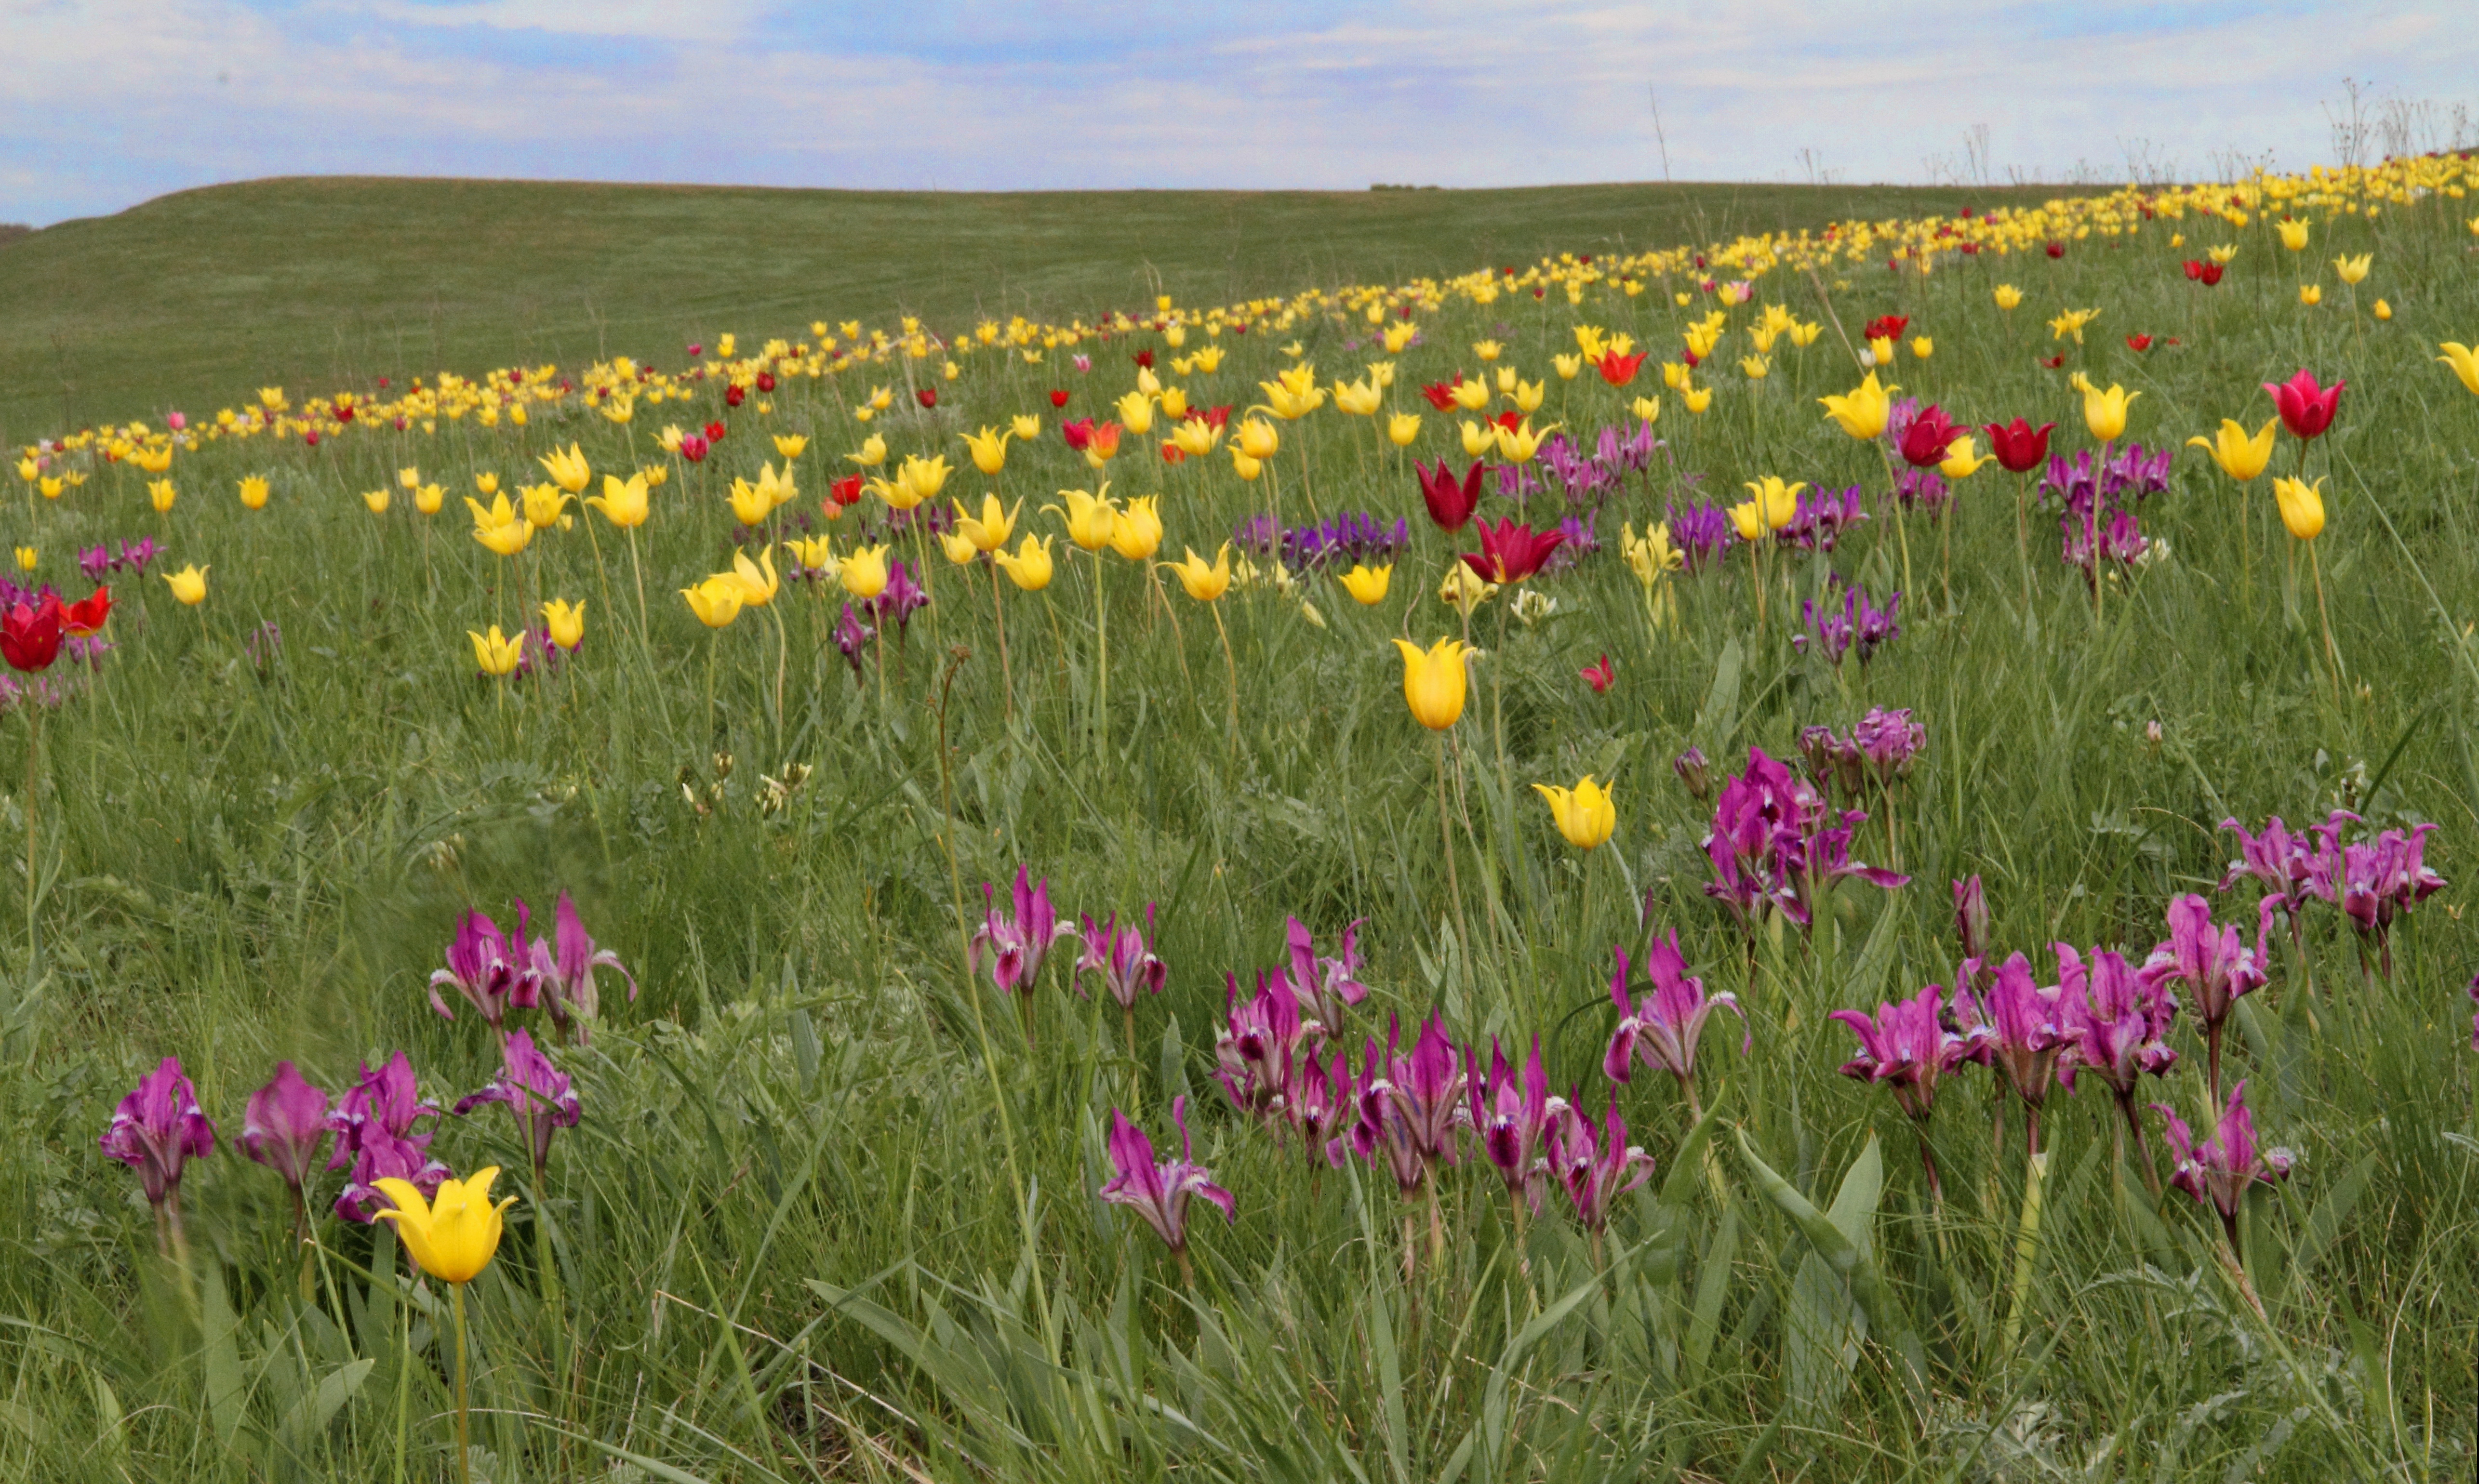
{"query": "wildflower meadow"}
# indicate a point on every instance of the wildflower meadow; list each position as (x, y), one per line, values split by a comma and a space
(1833, 854)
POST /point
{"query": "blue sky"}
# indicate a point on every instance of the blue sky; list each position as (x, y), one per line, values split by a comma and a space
(110, 102)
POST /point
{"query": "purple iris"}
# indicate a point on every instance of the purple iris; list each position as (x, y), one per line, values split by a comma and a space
(1595, 1165)
(1256, 1052)
(2118, 1022)
(1409, 1106)
(1703, 533)
(1663, 1031)
(1821, 516)
(852, 636)
(1511, 1116)
(285, 1127)
(1123, 956)
(899, 598)
(494, 973)
(1160, 1191)
(375, 1140)
(2026, 1025)
(2214, 964)
(1922, 489)
(2383, 879)
(537, 1094)
(157, 1129)
(2218, 1170)
(1908, 1047)
(563, 965)
(1016, 940)
(1324, 988)
(1324, 1107)
(1776, 846)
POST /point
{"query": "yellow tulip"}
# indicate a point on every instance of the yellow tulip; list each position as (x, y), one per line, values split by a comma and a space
(623, 502)
(2311, 294)
(452, 1234)
(2104, 411)
(500, 527)
(1174, 401)
(716, 600)
(2293, 235)
(2302, 506)
(758, 582)
(1805, 334)
(1862, 414)
(1433, 683)
(988, 448)
(2007, 296)
(1403, 428)
(1025, 426)
(1528, 396)
(496, 653)
(189, 585)
(2464, 360)
(1779, 502)
(926, 476)
(411, 479)
(1922, 346)
(1650, 556)
(1696, 399)
(27, 557)
(1194, 437)
(1204, 583)
(1506, 379)
(1367, 584)
(1137, 532)
(1472, 396)
(1486, 349)
(544, 503)
(1290, 401)
(1586, 814)
(2072, 322)
(161, 493)
(2240, 456)
(863, 573)
(1360, 398)
(569, 471)
(2223, 253)
(566, 622)
(1648, 408)
(376, 500)
(1258, 438)
(1029, 566)
(2353, 269)
(620, 409)
(1243, 466)
(1880, 351)
(873, 453)
(780, 489)
(253, 493)
(791, 445)
(430, 497)
(1755, 368)
(749, 504)
(1963, 459)
(1479, 438)
(1463, 589)
(2383, 310)
(1089, 516)
(1137, 413)
(990, 530)
(1568, 366)
(1518, 445)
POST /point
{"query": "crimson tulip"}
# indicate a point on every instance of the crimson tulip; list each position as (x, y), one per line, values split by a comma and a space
(1510, 552)
(734, 395)
(1442, 393)
(1450, 502)
(88, 614)
(30, 635)
(1928, 438)
(845, 491)
(1059, 399)
(927, 396)
(1598, 676)
(2019, 446)
(1077, 434)
(1886, 327)
(1618, 370)
(2306, 409)
(714, 432)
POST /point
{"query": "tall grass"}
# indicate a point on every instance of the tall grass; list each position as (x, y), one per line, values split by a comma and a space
(831, 1213)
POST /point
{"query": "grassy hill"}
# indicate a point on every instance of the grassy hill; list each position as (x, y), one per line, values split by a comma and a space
(192, 299)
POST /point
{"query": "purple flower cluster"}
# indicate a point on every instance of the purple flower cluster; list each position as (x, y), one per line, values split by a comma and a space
(1880, 747)
(1858, 624)
(1345, 541)
(1703, 532)
(1821, 517)
(2129, 475)
(131, 556)
(2085, 544)
(1922, 489)
(498, 972)
(1776, 846)
(898, 600)
(1592, 479)
(2374, 883)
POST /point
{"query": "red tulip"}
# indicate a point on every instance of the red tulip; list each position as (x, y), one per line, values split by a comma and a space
(714, 432)
(345, 413)
(765, 380)
(1510, 552)
(30, 636)
(311, 438)
(2057, 249)
(1886, 327)
(734, 395)
(927, 396)
(1059, 399)
(1618, 370)
(1442, 393)
(88, 614)
(1171, 454)
(694, 352)
(1598, 676)
(1079, 433)
(1925, 440)
(2054, 361)
(1509, 419)
(2306, 409)
(1145, 359)
(1450, 502)
(2020, 447)
(692, 447)
(845, 491)
(2138, 343)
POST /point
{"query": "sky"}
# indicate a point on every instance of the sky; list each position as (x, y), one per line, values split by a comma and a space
(107, 103)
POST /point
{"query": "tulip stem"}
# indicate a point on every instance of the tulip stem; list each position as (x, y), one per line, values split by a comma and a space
(464, 1422)
(1446, 840)
(1101, 661)
(1231, 670)
(2023, 533)
(1007, 676)
(639, 568)
(34, 753)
